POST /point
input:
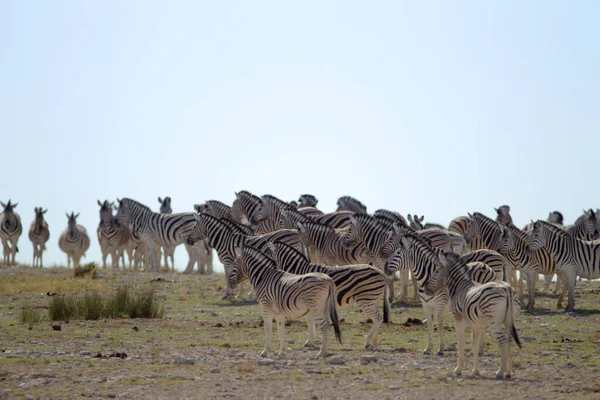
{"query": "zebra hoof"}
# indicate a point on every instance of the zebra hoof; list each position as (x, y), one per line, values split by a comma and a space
(264, 354)
(457, 371)
(508, 375)
(475, 372)
(427, 352)
(309, 344)
(499, 374)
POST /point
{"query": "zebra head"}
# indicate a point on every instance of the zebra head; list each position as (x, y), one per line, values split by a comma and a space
(285, 255)
(503, 215)
(200, 208)
(393, 240)
(349, 203)
(591, 224)
(165, 205)
(507, 242)
(39, 217)
(245, 259)
(307, 200)
(124, 213)
(556, 217)
(72, 222)
(8, 208)
(199, 232)
(399, 259)
(537, 237)
(288, 219)
(106, 216)
(293, 203)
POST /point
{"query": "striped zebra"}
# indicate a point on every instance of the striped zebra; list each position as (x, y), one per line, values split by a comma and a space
(359, 284)
(39, 235)
(349, 203)
(268, 214)
(329, 247)
(201, 254)
(337, 220)
(168, 250)
(459, 225)
(503, 216)
(224, 237)
(154, 229)
(282, 296)
(74, 241)
(513, 247)
(216, 209)
(245, 206)
(10, 231)
(114, 241)
(573, 257)
(417, 223)
(416, 254)
(480, 306)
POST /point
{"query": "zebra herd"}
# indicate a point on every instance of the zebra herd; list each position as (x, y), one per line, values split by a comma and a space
(302, 261)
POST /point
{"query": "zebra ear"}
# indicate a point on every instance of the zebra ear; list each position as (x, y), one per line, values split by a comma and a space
(442, 258)
(15, 205)
(422, 218)
(45, 211)
(237, 195)
(99, 203)
(396, 228)
(77, 216)
(159, 200)
(497, 210)
(271, 246)
(353, 219)
(405, 242)
(2, 204)
(409, 218)
(470, 215)
(67, 214)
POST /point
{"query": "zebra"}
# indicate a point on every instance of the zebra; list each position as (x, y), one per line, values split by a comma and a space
(416, 254)
(459, 225)
(480, 306)
(168, 251)
(282, 295)
(39, 235)
(417, 223)
(359, 284)
(503, 216)
(245, 206)
(10, 231)
(200, 253)
(268, 214)
(349, 203)
(329, 247)
(216, 209)
(307, 200)
(74, 241)
(224, 237)
(112, 240)
(513, 247)
(573, 257)
(154, 229)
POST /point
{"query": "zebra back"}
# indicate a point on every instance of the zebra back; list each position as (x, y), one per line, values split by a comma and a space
(246, 205)
(485, 229)
(218, 209)
(389, 217)
(349, 203)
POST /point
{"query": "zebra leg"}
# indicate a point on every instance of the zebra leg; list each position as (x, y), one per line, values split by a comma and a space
(415, 288)
(325, 327)
(372, 310)
(429, 313)
(268, 323)
(389, 282)
(440, 325)
(190, 266)
(104, 256)
(475, 344)
(460, 345)
(41, 256)
(502, 339)
(310, 342)
(531, 288)
(281, 334)
(571, 278)
(209, 261)
(403, 284)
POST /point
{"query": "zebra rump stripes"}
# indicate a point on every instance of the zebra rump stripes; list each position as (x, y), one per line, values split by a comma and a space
(74, 241)
(10, 231)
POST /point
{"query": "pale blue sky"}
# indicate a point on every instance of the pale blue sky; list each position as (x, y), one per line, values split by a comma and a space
(431, 107)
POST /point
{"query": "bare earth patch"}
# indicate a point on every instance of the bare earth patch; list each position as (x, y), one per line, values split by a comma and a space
(207, 348)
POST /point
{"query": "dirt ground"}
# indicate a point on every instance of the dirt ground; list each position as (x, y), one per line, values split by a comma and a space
(205, 348)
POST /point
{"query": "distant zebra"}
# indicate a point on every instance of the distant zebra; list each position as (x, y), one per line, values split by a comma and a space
(492, 305)
(224, 237)
(268, 214)
(245, 206)
(39, 235)
(359, 284)
(503, 216)
(10, 231)
(513, 246)
(349, 203)
(168, 251)
(282, 295)
(74, 241)
(329, 247)
(573, 257)
(459, 225)
(417, 223)
(154, 229)
(114, 241)
(416, 254)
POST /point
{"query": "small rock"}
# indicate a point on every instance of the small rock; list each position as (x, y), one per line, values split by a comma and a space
(394, 387)
(183, 360)
(337, 360)
(84, 353)
(15, 378)
(412, 340)
(546, 353)
(135, 328)
(291, 341)
(29, 397)
(367, 358)
(56, 327)
(215, 371)
(400, 350)
(219, 325)
(97, 336)
(266, 361)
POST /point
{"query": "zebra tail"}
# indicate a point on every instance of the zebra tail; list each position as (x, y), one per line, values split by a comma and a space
(333, 315)
(510, 322)
(386, 305)
(17, 249)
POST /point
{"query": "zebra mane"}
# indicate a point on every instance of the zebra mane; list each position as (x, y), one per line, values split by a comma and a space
(369, 220)
(317, 225)
(217, 203)
(295, 213)
(129, 201)
(424, 245)
(311, 199)
(351, 201)
(274, 201)
(387, 215)
(262, 258)
(519, 233)
(287, 250)
(555, 230)
(216, 221)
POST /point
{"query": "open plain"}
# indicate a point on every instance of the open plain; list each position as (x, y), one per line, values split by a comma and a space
(208, 348)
